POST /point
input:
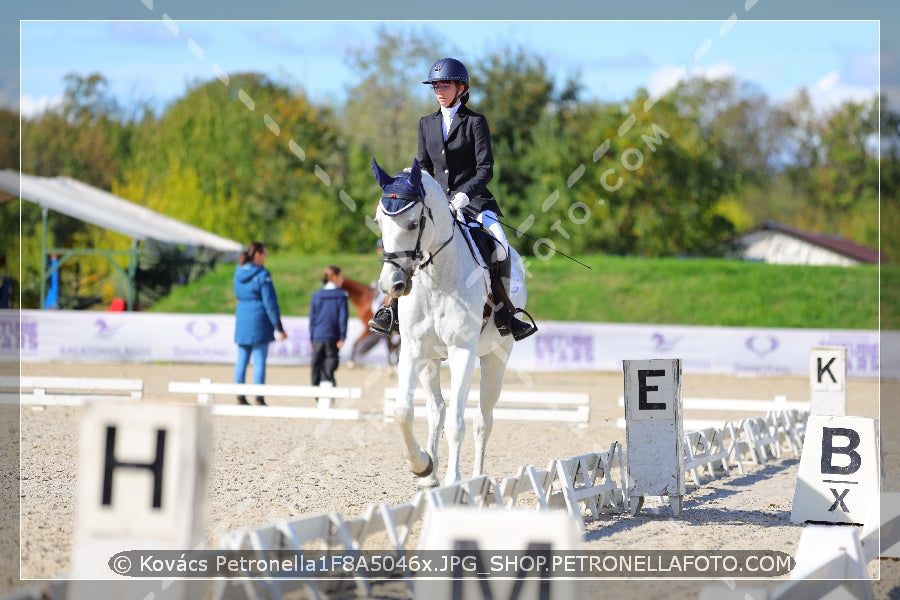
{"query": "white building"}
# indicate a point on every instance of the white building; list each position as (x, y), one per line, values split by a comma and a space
(777, 244)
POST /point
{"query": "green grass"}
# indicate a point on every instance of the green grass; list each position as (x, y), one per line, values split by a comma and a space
(619, 290)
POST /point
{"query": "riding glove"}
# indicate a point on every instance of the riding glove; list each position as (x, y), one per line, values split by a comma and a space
(459, 201)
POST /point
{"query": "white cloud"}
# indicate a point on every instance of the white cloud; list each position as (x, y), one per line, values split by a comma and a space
(663, 80)
(31, 107)
(831, 91)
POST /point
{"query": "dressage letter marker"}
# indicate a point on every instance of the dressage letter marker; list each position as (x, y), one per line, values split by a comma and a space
(840, 470)
(654, 431)
(489, 554)
(828, 380)
(141, 482)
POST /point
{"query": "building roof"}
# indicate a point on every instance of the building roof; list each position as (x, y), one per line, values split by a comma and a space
(93, 205)
(835, 243)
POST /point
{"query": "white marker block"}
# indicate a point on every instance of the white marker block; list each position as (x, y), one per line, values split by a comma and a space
(840, 470)
(828, 380)
(141, 482)
(830, 564)
(478, 547)
(654, 431)
(881, 531)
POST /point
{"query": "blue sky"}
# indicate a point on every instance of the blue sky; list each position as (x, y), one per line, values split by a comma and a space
(155, 60)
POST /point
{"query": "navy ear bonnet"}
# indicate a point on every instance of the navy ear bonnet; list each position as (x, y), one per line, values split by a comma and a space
(402, 192)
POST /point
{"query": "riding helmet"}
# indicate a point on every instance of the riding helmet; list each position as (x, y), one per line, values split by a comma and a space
(448, 69)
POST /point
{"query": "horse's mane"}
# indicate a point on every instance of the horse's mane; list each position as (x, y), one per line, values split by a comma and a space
(432, 187)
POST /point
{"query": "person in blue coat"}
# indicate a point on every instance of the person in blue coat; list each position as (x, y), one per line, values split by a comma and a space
(257, 318)
(327, 325)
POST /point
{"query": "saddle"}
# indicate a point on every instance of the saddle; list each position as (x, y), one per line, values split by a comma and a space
(482, 245)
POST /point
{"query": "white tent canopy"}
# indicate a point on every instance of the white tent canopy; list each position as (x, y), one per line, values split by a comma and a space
(92, 205)
(86, 203)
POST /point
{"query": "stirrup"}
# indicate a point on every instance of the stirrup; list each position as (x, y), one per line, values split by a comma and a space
(521, 329)
(384, 323)
(508, 324)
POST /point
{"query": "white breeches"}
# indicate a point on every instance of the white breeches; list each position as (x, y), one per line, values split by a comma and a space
(489, 220)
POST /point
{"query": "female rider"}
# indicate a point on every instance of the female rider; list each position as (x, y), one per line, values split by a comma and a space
(455, 148)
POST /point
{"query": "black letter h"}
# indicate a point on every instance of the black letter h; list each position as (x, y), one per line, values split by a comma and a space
(111, 463)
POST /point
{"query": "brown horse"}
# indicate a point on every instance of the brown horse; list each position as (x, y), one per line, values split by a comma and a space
(362, 296)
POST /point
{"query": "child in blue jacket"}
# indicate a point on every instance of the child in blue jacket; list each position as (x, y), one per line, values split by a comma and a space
(327, 325)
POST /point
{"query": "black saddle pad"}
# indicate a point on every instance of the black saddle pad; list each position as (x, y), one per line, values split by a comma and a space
(484, 241)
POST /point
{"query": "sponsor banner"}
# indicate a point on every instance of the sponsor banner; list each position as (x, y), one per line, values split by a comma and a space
(561, 346)
(90, 336)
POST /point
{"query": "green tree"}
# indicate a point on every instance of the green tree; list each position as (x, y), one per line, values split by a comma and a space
(252, 152)
(890, 187)
(9, 139)
(514, 89)
(386, 101)
(83, 138)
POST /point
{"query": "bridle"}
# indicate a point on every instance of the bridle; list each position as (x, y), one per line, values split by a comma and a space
(415, 256)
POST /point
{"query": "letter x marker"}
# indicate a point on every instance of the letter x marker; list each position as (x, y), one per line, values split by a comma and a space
(839, 500)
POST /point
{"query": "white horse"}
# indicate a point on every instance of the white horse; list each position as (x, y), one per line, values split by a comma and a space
(442, 293)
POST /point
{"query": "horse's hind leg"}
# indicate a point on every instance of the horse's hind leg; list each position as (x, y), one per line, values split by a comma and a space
(493, 366)
(419, 461)
(363, 344)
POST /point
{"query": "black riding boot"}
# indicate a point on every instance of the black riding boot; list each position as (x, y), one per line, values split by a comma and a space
(504, 311)
(385, 321)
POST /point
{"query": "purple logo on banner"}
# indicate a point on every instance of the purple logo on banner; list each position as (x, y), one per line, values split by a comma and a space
(565, 349)
(201, 329)
(761, 345)
(15, 336)
(661, 344)
(104, 330)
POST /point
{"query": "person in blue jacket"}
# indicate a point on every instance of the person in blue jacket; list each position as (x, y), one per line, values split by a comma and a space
(257, 318)
(327, 325)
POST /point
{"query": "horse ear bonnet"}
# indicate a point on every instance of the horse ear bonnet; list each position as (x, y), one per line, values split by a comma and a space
(402, 192)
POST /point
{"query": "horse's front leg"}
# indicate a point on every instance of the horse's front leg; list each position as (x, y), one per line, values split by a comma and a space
(430, 378)
(493, 366)
(408, 371)
(462, 363)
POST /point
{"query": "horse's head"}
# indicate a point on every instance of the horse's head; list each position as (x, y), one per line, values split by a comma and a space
(408, 228)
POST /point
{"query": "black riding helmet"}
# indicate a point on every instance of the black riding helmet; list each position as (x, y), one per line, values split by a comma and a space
(450, 69)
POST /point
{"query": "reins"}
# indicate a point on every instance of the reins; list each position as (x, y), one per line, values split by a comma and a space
(416, 254)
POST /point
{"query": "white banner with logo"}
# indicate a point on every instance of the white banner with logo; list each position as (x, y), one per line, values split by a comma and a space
(91, 336)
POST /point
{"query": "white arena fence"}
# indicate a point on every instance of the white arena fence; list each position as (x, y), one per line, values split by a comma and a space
(67, 391)
(90, 336)
(585, 486)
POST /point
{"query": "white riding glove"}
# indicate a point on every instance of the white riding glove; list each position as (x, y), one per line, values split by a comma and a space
(459, 201)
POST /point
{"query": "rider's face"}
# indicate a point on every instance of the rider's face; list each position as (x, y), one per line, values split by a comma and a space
(445, 92)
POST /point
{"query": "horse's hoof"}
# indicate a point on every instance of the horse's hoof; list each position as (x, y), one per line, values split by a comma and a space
(427, 484)
(427, 470)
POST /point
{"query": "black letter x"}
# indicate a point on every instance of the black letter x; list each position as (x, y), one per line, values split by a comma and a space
(838, 500)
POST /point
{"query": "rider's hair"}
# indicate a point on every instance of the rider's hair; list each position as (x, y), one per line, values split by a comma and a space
(252, 250)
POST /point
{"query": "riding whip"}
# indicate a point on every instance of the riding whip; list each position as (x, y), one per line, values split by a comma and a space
(473, 212)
